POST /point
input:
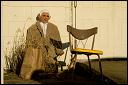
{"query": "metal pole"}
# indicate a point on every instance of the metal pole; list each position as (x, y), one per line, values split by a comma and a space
(75, 5)
(70, 39)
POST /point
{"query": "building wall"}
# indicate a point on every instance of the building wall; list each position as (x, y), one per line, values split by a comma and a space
(110, 17)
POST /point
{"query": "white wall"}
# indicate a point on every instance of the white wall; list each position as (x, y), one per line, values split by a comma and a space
(109, 16)
(111, 19)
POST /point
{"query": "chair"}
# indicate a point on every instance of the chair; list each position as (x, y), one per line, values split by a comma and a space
(62, 46)
(80, 35)
(63, 63)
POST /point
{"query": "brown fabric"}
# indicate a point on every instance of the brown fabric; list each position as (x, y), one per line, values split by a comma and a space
(40, 51)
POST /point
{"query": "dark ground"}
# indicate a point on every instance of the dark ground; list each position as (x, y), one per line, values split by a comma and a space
(115, 72)
(63, 78)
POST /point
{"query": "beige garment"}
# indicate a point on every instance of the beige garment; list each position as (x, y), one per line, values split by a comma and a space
(40, 52)
(36, 59)
(31, 62)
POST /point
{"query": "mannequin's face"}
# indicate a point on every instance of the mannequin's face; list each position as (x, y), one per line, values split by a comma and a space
(44, 17)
